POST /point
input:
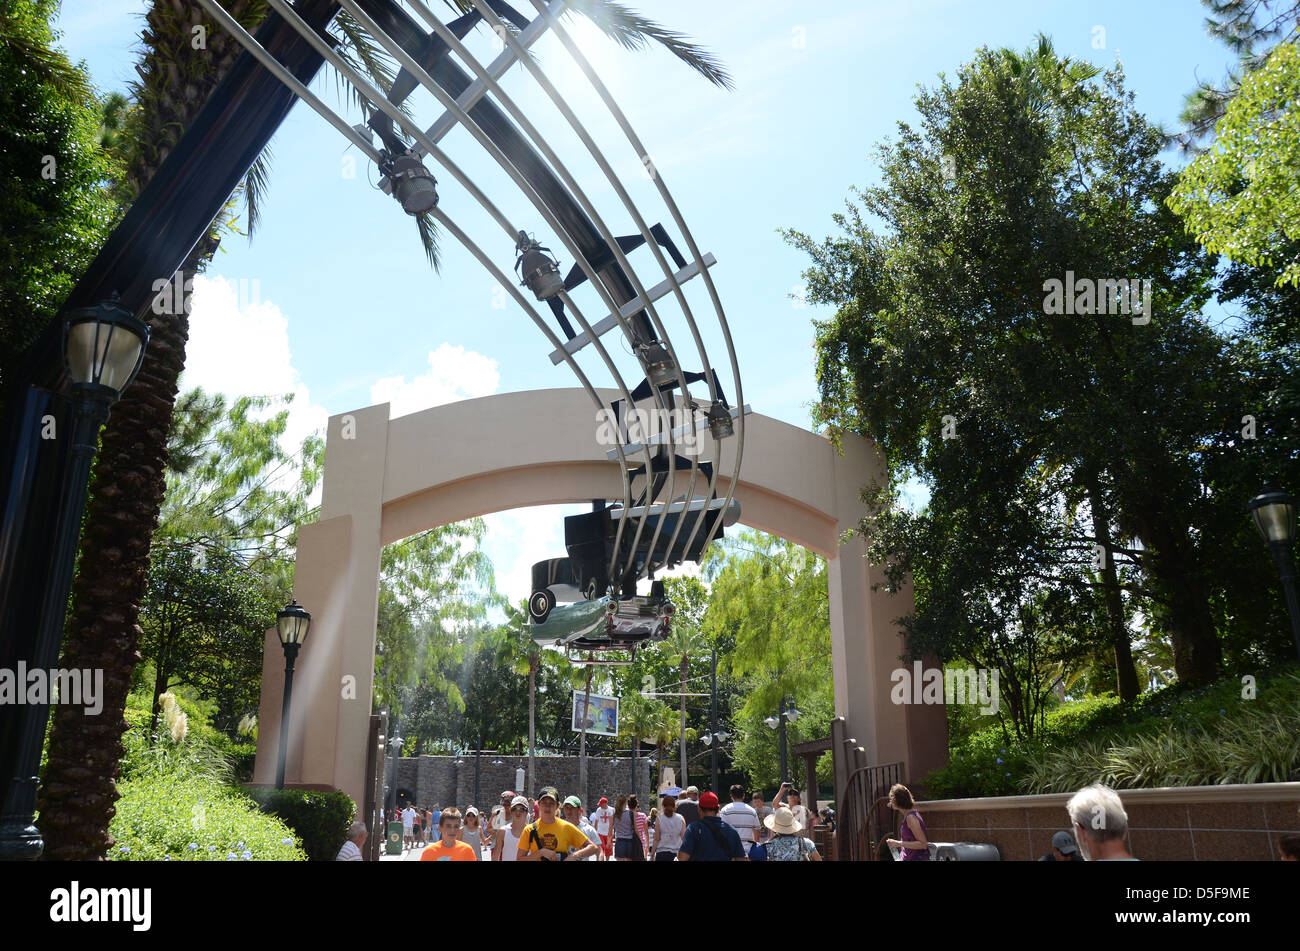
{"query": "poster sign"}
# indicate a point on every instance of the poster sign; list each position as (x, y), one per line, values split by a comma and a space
(602, 714)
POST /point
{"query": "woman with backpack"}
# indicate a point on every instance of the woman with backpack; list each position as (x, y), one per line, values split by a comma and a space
(786, 845)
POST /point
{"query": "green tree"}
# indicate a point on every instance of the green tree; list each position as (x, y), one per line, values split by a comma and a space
(685, 642)
(1240, 197)
(204, 619)
(770, 595)
(55, 209)
(950, 350)
(1250, 28)
(435, 589)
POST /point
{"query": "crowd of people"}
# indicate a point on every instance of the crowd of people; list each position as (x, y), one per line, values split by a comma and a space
(686, 825)
(690, 826)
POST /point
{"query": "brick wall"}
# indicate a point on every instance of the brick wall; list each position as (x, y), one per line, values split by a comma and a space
(437, 780)
(1199, 823)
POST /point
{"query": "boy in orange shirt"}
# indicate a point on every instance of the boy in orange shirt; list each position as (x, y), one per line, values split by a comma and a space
(449, 848)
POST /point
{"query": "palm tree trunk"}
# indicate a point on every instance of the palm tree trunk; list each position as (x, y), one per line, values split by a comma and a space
(532, 719)
(681, 780)
(582, 741)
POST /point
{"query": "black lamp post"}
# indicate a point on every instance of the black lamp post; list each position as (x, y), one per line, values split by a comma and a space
(293, 623)
(103, 347)
(778, 723)
(1274, 513)
(395, 746)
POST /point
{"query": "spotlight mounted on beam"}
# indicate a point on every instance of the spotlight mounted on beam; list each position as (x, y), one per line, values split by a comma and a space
(659, 367)
(540, 271)
(720, 425)
(413, 185)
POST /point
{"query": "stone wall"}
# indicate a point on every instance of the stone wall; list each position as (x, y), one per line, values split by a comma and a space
(436, 780)
(1195, 823)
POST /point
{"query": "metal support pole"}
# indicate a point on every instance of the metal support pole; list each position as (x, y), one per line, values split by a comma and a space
(780, 732)
(290, 656)
(713, 716)
(19, 837)
(1281, 552)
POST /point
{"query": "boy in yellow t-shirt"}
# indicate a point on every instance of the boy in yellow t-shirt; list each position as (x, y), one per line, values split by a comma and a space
(449, 848)
(550, 839)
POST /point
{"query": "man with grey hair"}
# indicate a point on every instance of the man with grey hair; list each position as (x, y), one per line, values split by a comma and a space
(688, 805)
(351, 851)
(1100, 824)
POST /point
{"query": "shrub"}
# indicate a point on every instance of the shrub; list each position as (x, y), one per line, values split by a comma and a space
(1178, 736)
(163, 817)
(321, 819)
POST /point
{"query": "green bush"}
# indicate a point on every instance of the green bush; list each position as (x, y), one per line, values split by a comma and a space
(161, 817)
(1177, 736)
(320, 819)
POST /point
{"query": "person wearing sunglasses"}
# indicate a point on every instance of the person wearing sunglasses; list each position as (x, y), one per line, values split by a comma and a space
(506, 846)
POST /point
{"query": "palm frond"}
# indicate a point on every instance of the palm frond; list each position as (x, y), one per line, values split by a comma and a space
(255, 188)
(428, 228)
(632, 31)
(365, 55)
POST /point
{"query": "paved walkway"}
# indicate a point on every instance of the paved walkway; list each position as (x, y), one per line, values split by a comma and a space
(413, 855)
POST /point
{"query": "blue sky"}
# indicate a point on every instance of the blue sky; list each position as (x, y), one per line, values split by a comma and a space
(333, 299)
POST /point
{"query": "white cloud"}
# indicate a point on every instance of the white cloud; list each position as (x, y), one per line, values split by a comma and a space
(454, 374)
(239, 346)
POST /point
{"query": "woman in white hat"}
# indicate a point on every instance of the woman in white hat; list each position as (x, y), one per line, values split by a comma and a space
(786, 844)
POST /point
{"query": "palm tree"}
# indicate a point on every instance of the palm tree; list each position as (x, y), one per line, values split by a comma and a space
(126, 490)
(581, 680)
(525, 657)
(680, 646)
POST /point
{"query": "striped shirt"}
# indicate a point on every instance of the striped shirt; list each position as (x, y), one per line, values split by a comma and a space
(741, 817)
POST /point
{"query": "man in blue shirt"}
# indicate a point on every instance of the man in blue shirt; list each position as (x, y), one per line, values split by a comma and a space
(710, 839)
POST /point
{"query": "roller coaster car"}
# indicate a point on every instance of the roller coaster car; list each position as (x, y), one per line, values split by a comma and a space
(606, 623)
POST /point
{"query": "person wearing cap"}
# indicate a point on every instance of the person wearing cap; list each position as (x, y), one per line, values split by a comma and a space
(501, 812)
(505, 848)
(1063, 849)
(603, 819)
(711, 839)
(550, 838)
(471, 832)
(573, 814)
(786, 845)
(688, 805)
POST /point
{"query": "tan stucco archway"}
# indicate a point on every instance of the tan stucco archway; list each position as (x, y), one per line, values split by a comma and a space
(388, 479)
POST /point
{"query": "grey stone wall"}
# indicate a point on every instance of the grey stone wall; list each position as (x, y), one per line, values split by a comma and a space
(436, 780)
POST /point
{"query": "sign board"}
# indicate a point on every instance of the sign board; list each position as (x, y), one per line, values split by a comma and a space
(601, 714)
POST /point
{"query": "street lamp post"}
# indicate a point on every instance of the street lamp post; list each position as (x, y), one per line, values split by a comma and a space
(713, 716)
(292, 623)
(1274, 513)
(103, 348)
(396, 747)
(778, 723)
